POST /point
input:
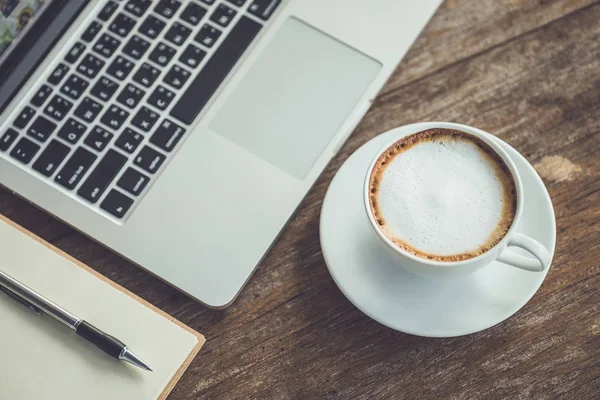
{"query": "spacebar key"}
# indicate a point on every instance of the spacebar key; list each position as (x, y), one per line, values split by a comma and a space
(216, 69)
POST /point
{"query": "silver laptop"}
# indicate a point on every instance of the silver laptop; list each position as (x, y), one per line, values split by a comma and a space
(183, 134)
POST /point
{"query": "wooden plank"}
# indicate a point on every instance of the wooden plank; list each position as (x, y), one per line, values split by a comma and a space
(462, 29)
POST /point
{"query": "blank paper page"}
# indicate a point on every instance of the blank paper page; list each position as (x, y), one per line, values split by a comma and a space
(43, 359)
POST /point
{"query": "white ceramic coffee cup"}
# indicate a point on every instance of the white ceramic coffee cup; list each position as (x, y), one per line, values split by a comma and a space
(431, 268)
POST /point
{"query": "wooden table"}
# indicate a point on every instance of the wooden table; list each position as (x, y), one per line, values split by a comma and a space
(527, 71)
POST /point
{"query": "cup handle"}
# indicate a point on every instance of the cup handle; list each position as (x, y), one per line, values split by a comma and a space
(542, 261)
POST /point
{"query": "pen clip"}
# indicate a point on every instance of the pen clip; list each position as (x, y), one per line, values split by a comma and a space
(20, 300)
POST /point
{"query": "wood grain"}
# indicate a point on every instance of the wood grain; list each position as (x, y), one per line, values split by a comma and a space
(526, 71)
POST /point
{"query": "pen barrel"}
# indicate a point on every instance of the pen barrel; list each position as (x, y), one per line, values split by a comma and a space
(36, 301)
(108, 344)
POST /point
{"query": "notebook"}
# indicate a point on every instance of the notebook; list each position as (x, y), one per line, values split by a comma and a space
(42, 359)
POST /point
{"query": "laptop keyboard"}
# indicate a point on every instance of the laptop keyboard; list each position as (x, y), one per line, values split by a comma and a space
(113, 109)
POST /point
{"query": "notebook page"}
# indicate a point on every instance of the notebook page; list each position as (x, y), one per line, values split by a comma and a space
(43, 359)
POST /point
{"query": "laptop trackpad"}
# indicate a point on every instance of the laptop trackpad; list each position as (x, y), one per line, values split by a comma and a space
(295, 97)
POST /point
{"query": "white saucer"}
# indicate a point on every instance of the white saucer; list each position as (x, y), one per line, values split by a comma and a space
(412, 304)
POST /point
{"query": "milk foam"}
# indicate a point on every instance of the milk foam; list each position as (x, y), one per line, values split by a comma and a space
(442, 197)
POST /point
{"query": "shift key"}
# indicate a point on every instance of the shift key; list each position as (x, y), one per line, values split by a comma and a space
(106, 170)
(70, 175)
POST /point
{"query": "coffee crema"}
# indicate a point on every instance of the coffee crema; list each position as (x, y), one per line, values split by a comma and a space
(443, 195)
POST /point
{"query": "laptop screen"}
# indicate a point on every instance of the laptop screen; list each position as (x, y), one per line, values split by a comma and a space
(29, 29)
(14, 17)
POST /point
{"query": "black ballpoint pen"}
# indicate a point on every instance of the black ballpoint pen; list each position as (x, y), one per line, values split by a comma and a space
(39, 304)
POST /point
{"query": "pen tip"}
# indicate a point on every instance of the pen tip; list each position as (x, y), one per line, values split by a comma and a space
(131, 358)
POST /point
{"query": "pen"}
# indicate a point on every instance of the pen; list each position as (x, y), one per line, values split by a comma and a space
(39, 304)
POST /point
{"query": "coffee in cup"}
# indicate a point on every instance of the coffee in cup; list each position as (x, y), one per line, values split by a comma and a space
(442, 195)
(446, 201)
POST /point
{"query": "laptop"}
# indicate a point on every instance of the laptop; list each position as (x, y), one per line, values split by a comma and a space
(183, 134)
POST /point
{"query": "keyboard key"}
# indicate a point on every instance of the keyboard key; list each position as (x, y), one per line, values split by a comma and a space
(263, 9)
(192, 56)
(178, 33)
(146, 75)
(129, 140)
(145, 119)
(116, 203)
(74, 86)
(138, 7)
(90, 66)
(214, 72)
(120, 68)
(167, 8)
(76, 52)
(223, 15)
(75, 167)
(149, 159)
(167, 135)
(208, 35)
(108, 11)
(24, 150)
(114, 117)
(99, 179)
(106, 45)
(98, 138)
(104, 88)
(41, 129)
(238, 3)
(71, 131)
(209, 2)
(177, 77)
(161, 97)
(24, 117)
(162, 54)
(8, 138)
(193, 13)
(131, 96)
(88, 110)
(122, 25)
(91, 31)
(133, 181)
(152, 27)
(136, 47)
(58, 107)
(42, 94)
(51, 158)
(58, 74)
